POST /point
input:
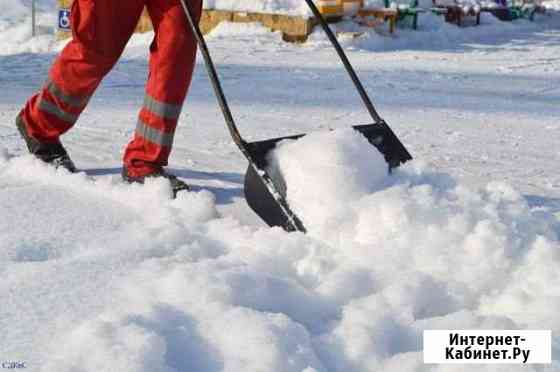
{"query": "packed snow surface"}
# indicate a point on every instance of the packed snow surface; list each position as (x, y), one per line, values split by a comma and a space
(98, 275)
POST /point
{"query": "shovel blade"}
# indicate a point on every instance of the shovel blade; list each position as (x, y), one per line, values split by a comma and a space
(267, 197)
(264, 197)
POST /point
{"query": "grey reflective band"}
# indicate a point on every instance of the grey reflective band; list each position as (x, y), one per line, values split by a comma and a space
(163, 110)
(53, 109)
(154, 135)
(77, 102)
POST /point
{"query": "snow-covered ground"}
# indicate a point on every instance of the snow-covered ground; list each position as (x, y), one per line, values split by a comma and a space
(101, 276)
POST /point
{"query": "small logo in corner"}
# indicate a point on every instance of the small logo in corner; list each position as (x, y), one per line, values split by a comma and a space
(12, 364)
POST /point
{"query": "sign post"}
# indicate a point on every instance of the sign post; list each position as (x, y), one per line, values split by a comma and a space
(33, 25)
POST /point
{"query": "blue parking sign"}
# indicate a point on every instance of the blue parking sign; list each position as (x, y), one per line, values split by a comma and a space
(64, 19)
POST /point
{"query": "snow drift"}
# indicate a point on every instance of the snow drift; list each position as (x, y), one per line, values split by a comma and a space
(412, 251)
(15, 26)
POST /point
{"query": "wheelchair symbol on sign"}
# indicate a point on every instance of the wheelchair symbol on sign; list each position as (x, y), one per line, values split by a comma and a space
(64, 19)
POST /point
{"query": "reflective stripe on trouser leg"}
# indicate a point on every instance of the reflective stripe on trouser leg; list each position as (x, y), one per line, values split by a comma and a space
(153, 140)
(155, 136)
(67, 99)
(51, 108)
(51, 112)
(172, 59)
(161, 109)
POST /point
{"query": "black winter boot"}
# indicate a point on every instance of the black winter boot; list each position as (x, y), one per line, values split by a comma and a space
(176, 184)
(51, 153)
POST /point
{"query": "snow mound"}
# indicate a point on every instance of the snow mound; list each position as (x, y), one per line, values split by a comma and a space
(243, 30)
(433, 33)
(15, 27)
(325, 171)
(286, 7)
(434, 247)
(12, 10)
(552, 5)
(415, 250)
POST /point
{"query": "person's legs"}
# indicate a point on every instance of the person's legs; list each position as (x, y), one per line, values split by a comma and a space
(172, 59)
(101, 29)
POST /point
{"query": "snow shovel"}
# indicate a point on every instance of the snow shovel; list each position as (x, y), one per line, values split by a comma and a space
(266, 197)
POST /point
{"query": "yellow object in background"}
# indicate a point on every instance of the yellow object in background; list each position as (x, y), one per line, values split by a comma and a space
(330, 8)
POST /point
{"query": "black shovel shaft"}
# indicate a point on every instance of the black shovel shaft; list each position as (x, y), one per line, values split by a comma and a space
(213, 77)
(220, 93)
(292, 223)
(262, 194)
(357, 83)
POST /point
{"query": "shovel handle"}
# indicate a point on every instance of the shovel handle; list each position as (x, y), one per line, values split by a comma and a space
(357, 83)
(220, 93)
(215, 81)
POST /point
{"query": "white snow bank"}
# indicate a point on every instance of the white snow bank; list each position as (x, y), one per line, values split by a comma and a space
(12, 10)
(286, 7)
(122, 208)
(432, 33)
(18, 39)
(16, 30)
(552, 4)
(412, 251)
(231, 29)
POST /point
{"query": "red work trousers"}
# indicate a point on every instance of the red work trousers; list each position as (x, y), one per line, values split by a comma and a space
(100, 30)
